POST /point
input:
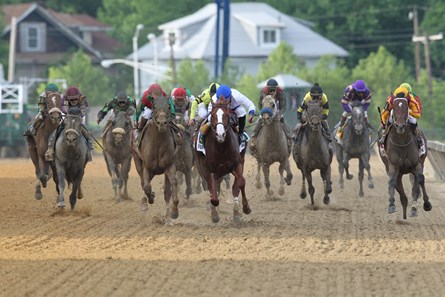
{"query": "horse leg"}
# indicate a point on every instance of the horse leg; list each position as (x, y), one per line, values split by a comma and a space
(415, 193)
(303, 192)
(346, 159)
(281, 171)
(73, 198)
(60, 201)
(258, 184)
(341, 170)
(401, 191)
(361, 175)
(326, 176)
(421, 178)
(212, 184)
(188, 184)
(240, 183)
(266, 172)
(125, 169)
(368, 169)
(114, 178)
(393, 172)
(197, 177)
(311, 188)
(289, 175)
(146, 187)
(43, 172)
(227, 181)
(171, 190)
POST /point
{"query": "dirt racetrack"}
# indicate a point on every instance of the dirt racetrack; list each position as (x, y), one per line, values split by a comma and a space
(351, 247)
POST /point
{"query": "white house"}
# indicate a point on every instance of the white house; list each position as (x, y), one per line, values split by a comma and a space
(256, 29)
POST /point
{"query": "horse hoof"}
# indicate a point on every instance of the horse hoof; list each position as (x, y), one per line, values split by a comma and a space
(391, 209)
(371, 186)
(350, 176)
(361, 194)
(413, 212)
(281, 191)
(341, 186)
(303, 195)
(427, 206)
(174, 214)
(237, 220)
(326, 200)
(38, 196)
(258, 185)
(247, 209)
(60, 204)
(215, 219)
(288, 179)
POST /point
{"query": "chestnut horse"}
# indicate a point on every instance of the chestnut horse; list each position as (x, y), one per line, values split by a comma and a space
(157, 156)
(222, 156)
(38, 145)
(401, 156)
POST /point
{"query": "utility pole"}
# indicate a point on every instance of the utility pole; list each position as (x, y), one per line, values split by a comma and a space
(426, 39)
(171, 42)
(416, 44)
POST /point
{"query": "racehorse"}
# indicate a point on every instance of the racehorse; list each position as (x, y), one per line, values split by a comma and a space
(222, 156)
(272, 146)
(401, 156)
(71, 151)
(157, 155)
(355, 145)
(38, 145)
(312, 151)
(185, 157)
(117, 153)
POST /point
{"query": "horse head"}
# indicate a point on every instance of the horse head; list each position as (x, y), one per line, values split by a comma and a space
(73, 126)
(54, 104)
(161, 112)
(220, 118)
(400, 112)
(121, 126)
(269, 109)
(313, 114)
(358, 119)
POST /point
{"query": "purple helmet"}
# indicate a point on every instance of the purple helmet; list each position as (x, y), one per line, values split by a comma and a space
(359, 85)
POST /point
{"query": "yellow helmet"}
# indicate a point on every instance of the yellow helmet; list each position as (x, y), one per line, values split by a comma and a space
(213, 87)
(400, 90)
(407, 86)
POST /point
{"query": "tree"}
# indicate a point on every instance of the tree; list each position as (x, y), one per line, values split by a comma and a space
(91, 80)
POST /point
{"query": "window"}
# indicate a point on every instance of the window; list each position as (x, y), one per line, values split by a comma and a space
(269, 36)
(33, 37)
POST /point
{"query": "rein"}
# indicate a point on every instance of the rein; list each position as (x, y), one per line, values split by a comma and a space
(401, 145)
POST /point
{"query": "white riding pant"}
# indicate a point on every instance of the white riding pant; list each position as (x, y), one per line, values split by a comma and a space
(202, 111)
(147, 113)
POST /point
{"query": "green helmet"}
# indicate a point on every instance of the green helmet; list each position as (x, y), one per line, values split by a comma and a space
(51, 88)
(188, 92)
(407, 86)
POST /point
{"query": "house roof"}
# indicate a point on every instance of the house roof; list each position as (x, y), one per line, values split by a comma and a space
(245, 19)
(65, 23)
(287, 81)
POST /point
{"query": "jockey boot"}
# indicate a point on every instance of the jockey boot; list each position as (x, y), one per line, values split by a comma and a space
(341, 127)
(416, 132)
(138, 135)
(257, 129)
(85, 134)
(325, 126)
(49, 155)
(383, 136)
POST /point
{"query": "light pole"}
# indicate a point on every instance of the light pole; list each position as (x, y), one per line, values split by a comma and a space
(139, 27)
(171, 42)
(152, 38)
(142, 66)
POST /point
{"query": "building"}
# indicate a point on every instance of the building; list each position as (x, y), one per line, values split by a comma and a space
(256, 29)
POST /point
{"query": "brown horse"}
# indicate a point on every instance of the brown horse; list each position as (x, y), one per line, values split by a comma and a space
(312, 151)
(401, 156)
(38, 144)
(117, 153)
(222, 156)
(272, 146)
(157, 155)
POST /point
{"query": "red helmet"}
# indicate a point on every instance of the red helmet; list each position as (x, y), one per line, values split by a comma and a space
(72, 93)
(155, 88)
(180, 93)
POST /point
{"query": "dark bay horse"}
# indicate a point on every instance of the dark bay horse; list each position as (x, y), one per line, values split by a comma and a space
(312, 151)
(401, 156)
(38, 145)
(157, 156)
(71, 151)
(185, 158)
(355, 145)
(117, 153)
(272, 146)
(223, 157)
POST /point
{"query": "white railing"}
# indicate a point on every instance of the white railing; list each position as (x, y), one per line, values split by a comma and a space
(11, 98)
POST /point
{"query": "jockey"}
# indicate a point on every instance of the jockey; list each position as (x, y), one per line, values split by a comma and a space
(416, 97)
(41, 103)
(121, 102)
(72, 98)
(238, 104)
(315, 94)
(415, 110)
(201, 104)
(272, 88)
(181, 101)
(358, 91)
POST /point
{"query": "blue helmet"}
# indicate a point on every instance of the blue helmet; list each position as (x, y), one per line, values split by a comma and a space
(224, 91)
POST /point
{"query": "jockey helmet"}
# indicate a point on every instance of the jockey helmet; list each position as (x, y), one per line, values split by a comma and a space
(359, 85)
(316, 90)
(407, 86)
(155, 89)
(400, 92)
(187, 91)
(122, 96)
(72, 93)
(272, 83)
(179, 93)
(51, 88)
(213, 87)
(224, 91)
